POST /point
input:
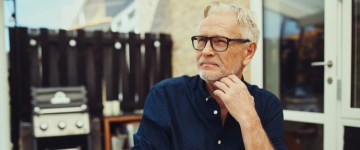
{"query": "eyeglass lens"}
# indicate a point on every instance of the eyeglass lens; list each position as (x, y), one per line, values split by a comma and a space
(218, 43)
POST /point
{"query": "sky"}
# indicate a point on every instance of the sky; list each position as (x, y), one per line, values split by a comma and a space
(46, 14)
(34, 14)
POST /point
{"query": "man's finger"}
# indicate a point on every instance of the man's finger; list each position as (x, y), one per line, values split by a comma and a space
(237, 81)
(227, 81)
(220, 93)
(234, 78)
(221, 86)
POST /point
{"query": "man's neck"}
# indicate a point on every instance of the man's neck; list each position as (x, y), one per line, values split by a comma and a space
(210, 87)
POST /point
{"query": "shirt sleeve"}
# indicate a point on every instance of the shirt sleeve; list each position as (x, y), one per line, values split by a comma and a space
(154, 130)
(274, 125)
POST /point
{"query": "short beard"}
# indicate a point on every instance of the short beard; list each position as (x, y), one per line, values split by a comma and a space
(209, 76)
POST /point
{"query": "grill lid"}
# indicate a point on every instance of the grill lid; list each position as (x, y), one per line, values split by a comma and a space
(59, 99)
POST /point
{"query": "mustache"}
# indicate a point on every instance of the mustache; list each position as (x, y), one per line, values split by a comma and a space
(212, 60)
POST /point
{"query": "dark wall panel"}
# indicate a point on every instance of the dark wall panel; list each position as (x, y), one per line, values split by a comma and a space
(75, 58)
(351, 138)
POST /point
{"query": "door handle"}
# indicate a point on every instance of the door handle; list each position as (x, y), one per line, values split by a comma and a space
(329, 64)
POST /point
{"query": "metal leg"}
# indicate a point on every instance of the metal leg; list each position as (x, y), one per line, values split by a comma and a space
(89, 145)
(35, 144)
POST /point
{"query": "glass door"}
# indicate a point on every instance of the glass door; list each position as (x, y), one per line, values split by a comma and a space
(293, 41)
(350, 60)
(349, 77)
(300, 59)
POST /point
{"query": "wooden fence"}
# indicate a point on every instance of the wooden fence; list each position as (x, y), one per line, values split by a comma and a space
(123, 63)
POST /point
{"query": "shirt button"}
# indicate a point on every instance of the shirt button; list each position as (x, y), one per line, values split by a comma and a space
(219, 142)
(215, 112)
(207, 99)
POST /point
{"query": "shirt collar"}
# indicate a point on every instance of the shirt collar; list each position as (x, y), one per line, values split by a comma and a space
(202, 87)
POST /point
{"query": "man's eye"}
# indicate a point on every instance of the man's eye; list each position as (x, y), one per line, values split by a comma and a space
(220, 41)
(202, 39)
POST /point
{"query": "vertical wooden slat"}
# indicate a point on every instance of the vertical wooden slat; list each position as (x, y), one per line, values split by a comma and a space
(81, 59)
(108, 76)
(90, 70)
(34, 60)
(135, 71)
(63, 75)
(99, 72)
(53, 59)
(151, 76)
(72, 59)
(44, 57)
(129, 103)
(90, 74)
(115, 66)
(94, 72)
(126, 90)
(24, 70)
(19, 81)
(165, 55)
(14, 95)
(108, 52)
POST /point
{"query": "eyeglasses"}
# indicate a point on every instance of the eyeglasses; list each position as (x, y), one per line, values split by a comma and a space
(218, 43)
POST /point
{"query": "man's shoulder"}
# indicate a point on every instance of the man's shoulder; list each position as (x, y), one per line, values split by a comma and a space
(178, 82)
(262, 94)
(266, 103)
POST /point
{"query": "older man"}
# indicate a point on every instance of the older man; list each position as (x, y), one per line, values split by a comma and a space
(216, 109)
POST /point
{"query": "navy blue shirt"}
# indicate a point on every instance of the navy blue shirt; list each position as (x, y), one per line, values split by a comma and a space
(179, 114)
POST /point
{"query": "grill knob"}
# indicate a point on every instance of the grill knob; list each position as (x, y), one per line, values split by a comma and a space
(62, 125)
(79, 124)
(43, 126)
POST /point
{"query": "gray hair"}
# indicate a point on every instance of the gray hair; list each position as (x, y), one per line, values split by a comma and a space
(248, 24)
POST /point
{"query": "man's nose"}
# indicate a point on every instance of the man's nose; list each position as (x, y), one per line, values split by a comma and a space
(208, 50)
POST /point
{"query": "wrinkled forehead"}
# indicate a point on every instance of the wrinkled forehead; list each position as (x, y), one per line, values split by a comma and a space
(220, 24)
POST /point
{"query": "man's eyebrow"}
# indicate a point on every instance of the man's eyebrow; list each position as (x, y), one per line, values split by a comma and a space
(219, 35)
(212, 35)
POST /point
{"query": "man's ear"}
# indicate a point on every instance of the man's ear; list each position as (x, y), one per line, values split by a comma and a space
(249, 52)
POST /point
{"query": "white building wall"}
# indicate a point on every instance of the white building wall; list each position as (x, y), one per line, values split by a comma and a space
(4, 87)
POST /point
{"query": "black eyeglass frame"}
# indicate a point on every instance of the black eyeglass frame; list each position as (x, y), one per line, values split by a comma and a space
(209, 38)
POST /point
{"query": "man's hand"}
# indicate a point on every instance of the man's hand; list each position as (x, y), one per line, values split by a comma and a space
(240, 104)
(237, 99)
